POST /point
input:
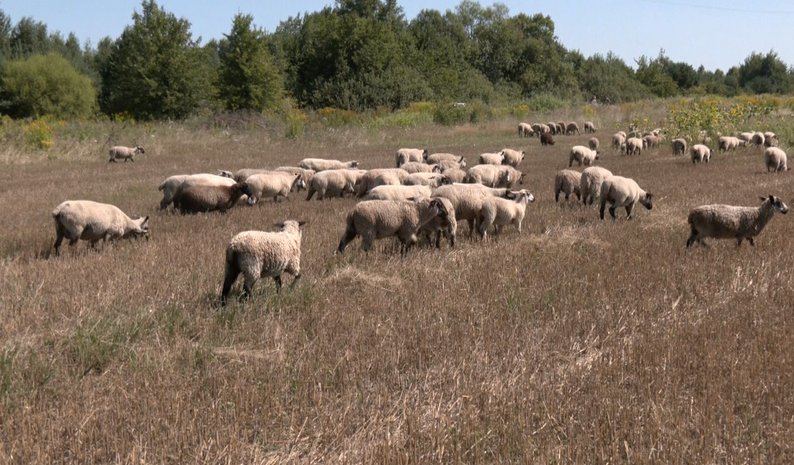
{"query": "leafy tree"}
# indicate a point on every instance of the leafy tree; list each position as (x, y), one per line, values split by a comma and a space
(46, 85)
(28, 37)
(609, 79)
(247, 77)
(652, 74)
(762, 74)
(155, 69)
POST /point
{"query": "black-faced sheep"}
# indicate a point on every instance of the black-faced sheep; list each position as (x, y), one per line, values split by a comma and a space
(623, 192)
(92, 221)
(582, 155)
(732, 222)
(124, 153)
(195, 199)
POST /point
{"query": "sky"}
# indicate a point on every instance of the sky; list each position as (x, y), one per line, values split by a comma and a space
(717, 34)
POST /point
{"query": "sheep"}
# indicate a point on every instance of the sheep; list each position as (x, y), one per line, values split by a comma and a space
(771, 139)
(758, 139)
(321, 164)
(652, 140)
(494, 176)
(700, 153)
(589, 127)
(404, 156)
(567, 181)
(512, 157)
(541, 129)
(126, 153)
(454, 174)
(397, 192)
(561, 127)
(746, 136)
(732, 222)
(260, 254)
(525, 130)
(553, 129)
(590, 183)
(491, 158)
(679, 146)
(306, 175)
(729, 143)
(333, 183)
(272, 184)
(623, 192)
(203, 198)
(572, 128)
(593, 143)
(377, 219)
(634, 146)
(444, 165)
(92, 221)
(438, 226)
(242, 174)
(437, 158)
(427, 179)
(546, 139)
(419, 167)
(499, 212)
(467, 200)
(171, 185)
(582, 154)
(775, 160)
(619, 141)
(380, 177)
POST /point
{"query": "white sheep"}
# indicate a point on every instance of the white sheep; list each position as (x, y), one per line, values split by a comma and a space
(771, 139)
(306, 175)
(427, 179)
(405, 155)
(333, 183)
(397, 192)
(491, 158)
(730, 143)
(623, 192)
(589, 127)
(126, 153)
(619, 141)
(590, 183)
(746, 136)
(380, 177)
(498, 212)
(634, 146)
(582, 154)
(419, 167)
(171, 185)
(272, 184)
(679, 146)
(732, 222)
(572, 128)
(454, 174)
(444, 165)
(260, 254)
(593, 143)
(92, 221)
(652, 140)
(525, 130)
(467, 200)
(321, 164)
(377, 219)
(569, 182)
(494, 175)
(700, 153)
(775, 160)
(758, 139)
(512, 157)
(437, 158)
(203, 198)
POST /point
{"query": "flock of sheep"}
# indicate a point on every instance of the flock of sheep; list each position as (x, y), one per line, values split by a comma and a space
(423, 197)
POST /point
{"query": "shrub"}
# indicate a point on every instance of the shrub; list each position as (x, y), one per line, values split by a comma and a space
(39, 134)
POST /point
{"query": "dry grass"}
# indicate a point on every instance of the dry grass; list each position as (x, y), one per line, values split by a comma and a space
(579, 341)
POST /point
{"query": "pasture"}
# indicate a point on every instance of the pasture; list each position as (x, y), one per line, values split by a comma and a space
(578, 341)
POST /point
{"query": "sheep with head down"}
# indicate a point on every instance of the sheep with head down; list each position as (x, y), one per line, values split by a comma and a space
(590, 183)
(775, 160)
(512, 157)
(406, 155)
(623, 192)
(582, 155)
(567, 182)
(93, 221)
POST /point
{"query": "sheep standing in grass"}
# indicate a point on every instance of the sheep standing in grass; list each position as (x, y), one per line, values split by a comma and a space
(582, 154)
(491, 158)
(92, 221)
(567, 181)
(730, 143)
(771, 139)
(124, 153)
(634, 146)
(546, 139)
(419, 167)
(590, 183)
(525, 130)
(440, 226)
(467, 200)
(512, 157)
(623, 192)
(619, 141)
(426, 179)
(404, 156)
(321, 164)
(306, 175)
(377, 219)
(333, 183)
(589, 127)
(498, 212)
(700, 153)
(380, 177)
(260, 254)
(494, 175)
(758, 139)
(732, 222)
(272, 184)
(572, 128)
(775, 160)
(593, 143)
(171, 185)
(397, 192)
(202, 198)
(679, 146)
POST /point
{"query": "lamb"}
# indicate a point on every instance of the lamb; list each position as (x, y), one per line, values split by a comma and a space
(397, 192)
(272, 184)
(619, 141)
(467, 200)
(171, 185)
(652, 140)
(732, 222)
(546, 139)
(593, 143)
(494, 176)
(260, 254)
(427, 179)
(569, 182)
(572, 128)
(499, 212)
(439, 158)
(377, 219)
(700, 153)
(525, 130)
(404, 156)
(419, 167)
(380, 177)
(590, 183)
(589, 127)
(729, 143)
(634, 146)
(333, 183)
(454, 174)
(775, 160)
(306, 175)
(771, 139)
(92, 221)
(512, 157)
(321, 164)
(623, 192)
(203, 198)
(491, 158)
(679, 146)
(582, 154)
(126, 153)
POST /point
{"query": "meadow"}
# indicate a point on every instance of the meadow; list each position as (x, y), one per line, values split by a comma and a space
(577, 341)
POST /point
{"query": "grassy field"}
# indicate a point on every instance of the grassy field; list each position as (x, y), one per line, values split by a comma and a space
(578, 341)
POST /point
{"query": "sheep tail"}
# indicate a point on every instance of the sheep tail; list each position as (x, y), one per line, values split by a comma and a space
(231, 273)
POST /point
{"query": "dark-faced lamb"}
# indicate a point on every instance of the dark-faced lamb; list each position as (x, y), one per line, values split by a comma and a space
(732, 222)
(92, 221)
(498, 212)
(623, 192)
(124, 153)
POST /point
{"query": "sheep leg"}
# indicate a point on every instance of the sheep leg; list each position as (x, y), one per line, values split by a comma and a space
(693, 237)
(557, 196)
(248, 286)
(751, 241)
(349, 235)
(601, 210)
(58, 241)
(612, 212)
(295, 280)
(232, 271)
(277, 279)
(629, 210)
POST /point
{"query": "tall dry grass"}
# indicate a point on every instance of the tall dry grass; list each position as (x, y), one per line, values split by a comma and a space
(579, 341)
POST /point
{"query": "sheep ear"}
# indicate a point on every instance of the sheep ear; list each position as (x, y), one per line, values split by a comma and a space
(302, 222)
(278, 225)
(762, 198)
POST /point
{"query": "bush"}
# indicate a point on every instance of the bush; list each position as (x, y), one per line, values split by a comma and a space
(39, 134)
(450, 114)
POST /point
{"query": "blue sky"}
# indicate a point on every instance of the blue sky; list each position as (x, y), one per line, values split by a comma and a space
(714, 33)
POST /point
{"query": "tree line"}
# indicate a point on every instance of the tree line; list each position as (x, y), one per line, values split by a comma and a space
(357, 55)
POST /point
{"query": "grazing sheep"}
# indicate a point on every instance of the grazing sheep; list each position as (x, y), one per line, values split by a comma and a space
(569, 182)
(92, 221)
(525, 130)
(404, 156)
(380, 177)
(126, 153)
(541, 129)
(700, 153)
(491, 158)
(306, 175)
(553, 129)
(775, 160)
(444, 165)
(397, 192)
(590, 183)
(561, 127)
(494, 175)
(202, 198)
(582, 154)
(679, 146)
(771, 139)
(512, 157)
(439, 157)
(634, 146)
(441, 226)
(419, 167)
(729, 143)
(377, 219)
(242, 174)
(732, 222)
(455, 174)
(546, 139)
(593, 143)
(321, 164)
(589, 127)
(171, 185)
(758, 139)
(746, 136)
(619, 141)
(260, 254)
(272, 184)
(498, 212)
(572, 128)
(652, 140)
(426, 179)
(623, 192)
(467, 200)
(333, 183)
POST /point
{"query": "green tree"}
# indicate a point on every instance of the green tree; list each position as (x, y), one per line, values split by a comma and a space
(247, 77)
(29, 37)
(764, 74)
(652, 74)
(154, 69)
(46, 85)
(609, 79)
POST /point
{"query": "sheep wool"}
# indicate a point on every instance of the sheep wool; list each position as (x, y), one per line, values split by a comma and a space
(92, 221)
(732, 222)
